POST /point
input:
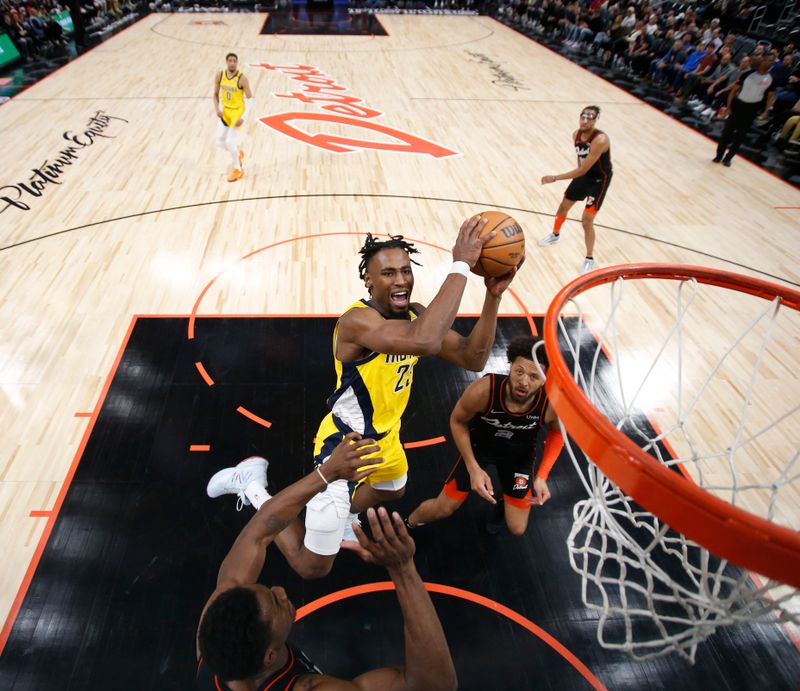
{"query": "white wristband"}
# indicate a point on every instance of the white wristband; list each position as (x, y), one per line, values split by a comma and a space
(460, 268)
(322, 476)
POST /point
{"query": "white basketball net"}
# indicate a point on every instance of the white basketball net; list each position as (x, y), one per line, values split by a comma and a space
(714, 400)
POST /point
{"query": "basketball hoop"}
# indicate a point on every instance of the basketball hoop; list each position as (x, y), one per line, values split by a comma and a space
(695, 456)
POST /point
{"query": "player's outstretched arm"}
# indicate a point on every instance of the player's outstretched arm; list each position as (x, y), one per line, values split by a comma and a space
(424, 335)
(246, 558)
(428, 664)
(472, 352)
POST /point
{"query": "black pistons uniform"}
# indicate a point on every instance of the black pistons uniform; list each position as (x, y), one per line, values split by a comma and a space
(297, 665)
(593, 186)
(504, 439)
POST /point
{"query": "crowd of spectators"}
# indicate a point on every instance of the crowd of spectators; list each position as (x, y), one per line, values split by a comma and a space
(34, 28)
(693, 54)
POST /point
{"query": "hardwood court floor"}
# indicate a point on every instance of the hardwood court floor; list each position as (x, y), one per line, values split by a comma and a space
(138, 218)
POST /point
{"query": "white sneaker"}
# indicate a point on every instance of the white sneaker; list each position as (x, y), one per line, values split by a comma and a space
(349, 533)
(707, 113)
(588, 265)
(551, 239)
(234, 480)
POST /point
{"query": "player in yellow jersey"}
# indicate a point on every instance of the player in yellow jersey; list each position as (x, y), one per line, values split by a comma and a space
(233, 99)
(376, 344)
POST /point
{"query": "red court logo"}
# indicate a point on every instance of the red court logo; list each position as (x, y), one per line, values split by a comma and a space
(341, 109)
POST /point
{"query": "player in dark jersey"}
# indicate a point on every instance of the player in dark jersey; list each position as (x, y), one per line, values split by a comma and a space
(590, 181)
(242, 635)
(496, 422)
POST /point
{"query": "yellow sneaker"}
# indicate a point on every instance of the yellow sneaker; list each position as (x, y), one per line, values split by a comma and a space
(235, 175)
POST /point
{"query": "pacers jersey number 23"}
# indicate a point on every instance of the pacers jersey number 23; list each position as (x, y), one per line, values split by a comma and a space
(372, 393)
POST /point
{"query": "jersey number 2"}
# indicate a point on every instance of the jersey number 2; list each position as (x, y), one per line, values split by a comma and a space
(403, 378)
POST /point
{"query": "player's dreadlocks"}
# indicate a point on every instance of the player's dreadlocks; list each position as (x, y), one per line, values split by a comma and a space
(372, 246)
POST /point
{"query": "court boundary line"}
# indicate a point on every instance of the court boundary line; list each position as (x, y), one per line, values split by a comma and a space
(55, 511)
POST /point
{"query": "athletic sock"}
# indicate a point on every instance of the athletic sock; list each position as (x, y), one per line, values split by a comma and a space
(558, 223)
(256, 494)
(233, 150)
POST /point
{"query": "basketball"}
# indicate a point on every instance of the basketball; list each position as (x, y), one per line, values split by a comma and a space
(505, 250)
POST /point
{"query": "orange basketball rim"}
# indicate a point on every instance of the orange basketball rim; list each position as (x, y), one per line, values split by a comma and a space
(726, 530)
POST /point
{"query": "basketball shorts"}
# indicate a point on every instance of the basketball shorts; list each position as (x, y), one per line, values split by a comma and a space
(395, 464)
(230, 116)
(515, 479)
(593, 190)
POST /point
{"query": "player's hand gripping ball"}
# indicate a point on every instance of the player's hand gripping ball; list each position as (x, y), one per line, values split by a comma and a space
(505, 250)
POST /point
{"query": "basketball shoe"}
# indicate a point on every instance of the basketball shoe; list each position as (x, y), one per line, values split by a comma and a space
(234, 480)
(588, 265)
(551, 239)
(235, 175)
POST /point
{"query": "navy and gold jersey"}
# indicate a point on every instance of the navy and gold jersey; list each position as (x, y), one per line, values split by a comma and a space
(370, 398)
(499, 433)
(602, 167)
(297, 665)
(372, 393)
